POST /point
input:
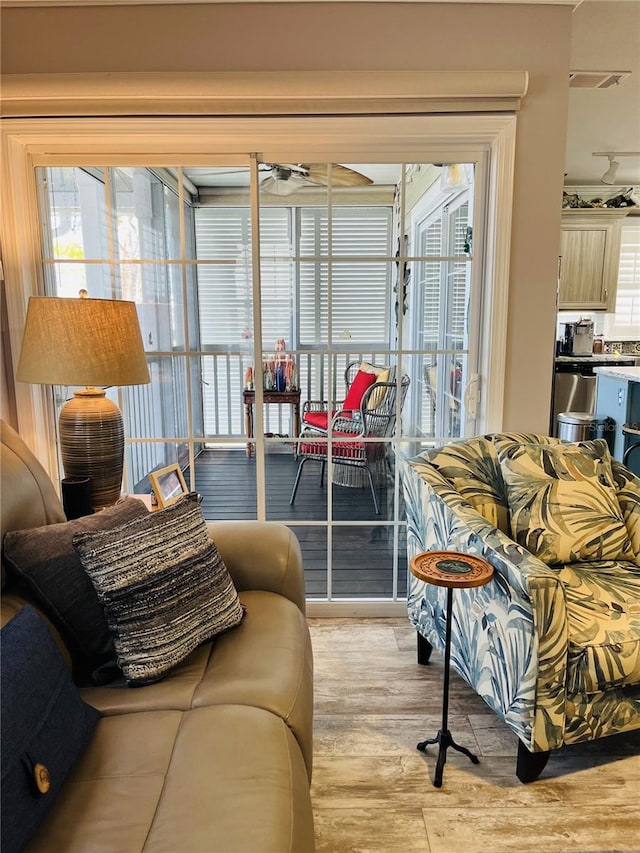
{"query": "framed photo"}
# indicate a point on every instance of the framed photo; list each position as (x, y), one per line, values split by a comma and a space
(168, 484)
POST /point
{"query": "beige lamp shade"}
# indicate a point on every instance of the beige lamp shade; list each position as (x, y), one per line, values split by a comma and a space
(86, 342)
(82, 342)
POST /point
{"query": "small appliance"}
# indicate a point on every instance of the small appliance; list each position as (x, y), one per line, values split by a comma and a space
(575, 382)
(578, 338)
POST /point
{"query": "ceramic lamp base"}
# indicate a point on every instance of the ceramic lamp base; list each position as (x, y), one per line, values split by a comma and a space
(92, 444)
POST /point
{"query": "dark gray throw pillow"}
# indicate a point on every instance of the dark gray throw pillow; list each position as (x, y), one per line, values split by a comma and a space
(45, 726)
(45, 561)
(163, 586)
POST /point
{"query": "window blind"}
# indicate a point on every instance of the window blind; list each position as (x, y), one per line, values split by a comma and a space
(460, 283)
(431, 245)
(445, 283)
(224, 288)
(444, 293)
(360, 284)
(626, 322)
(294, 274)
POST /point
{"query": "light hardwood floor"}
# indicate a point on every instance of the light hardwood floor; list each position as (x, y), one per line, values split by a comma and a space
(372, 790)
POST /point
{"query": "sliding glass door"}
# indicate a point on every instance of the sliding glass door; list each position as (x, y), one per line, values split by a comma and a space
(262, 290)
(116, 232)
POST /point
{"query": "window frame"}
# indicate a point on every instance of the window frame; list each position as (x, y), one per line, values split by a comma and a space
(484, 138)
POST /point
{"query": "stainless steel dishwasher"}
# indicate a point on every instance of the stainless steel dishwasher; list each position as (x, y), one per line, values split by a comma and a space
(574, 383)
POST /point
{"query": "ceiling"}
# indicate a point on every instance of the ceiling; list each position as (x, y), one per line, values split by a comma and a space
(386, 174)
(605, 37)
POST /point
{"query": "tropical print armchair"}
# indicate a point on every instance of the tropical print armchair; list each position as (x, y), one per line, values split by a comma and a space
(552, 647)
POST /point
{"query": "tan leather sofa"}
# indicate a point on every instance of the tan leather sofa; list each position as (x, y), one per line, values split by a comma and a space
(216, 757)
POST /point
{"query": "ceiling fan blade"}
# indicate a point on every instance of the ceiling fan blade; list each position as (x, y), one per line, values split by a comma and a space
(286, 178)
(341, 176)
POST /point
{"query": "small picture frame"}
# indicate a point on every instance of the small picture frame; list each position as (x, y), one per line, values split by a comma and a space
(168, 484)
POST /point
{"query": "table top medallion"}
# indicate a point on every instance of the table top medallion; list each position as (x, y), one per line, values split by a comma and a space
(451, 569)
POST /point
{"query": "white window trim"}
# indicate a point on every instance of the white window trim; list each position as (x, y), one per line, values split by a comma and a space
(168, 142)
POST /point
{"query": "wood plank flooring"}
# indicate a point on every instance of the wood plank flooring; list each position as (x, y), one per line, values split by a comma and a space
(372, 790)
(362, 555)
(227, 481)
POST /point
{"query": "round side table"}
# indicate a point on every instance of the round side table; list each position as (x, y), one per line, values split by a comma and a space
(452, 570)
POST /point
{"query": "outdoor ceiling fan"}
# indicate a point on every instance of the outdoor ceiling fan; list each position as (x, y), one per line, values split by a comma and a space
(286, 178)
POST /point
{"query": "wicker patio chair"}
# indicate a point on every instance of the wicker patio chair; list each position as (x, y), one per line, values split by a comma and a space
(359, 451)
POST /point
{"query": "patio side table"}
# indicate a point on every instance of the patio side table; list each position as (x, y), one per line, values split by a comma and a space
(452, 570)
(291, 398)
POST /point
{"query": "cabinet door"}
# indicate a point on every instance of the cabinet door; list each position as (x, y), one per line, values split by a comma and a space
(582, 270)
(590, 253)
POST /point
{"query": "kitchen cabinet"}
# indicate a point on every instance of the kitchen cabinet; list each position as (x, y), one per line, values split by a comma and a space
(618, 399)
(590, 256)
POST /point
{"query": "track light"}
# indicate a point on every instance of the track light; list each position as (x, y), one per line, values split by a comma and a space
(609, 176)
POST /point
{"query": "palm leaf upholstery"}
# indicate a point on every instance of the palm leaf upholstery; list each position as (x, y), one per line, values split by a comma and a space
(554, 650)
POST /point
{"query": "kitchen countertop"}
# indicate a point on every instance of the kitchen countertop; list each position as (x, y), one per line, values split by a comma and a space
(623, 374)
(602, 357)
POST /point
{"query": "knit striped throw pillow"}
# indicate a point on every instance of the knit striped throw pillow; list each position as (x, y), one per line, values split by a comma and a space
(163, 586)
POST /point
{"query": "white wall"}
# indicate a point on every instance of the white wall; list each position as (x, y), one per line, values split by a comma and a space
(361, 36)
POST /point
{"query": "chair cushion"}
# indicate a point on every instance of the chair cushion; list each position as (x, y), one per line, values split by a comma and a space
(603, 615)
(45, 561)
(45, 726)
(339, 449)
(361, 382)
(319, 420)
(473, 470)
(163, 585)
(382, 374)
(563, 502)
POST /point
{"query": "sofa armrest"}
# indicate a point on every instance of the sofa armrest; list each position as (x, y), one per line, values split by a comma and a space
(509, 638)
(261, 555)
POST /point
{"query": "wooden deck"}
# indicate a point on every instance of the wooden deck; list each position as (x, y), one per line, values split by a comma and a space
(362, 547)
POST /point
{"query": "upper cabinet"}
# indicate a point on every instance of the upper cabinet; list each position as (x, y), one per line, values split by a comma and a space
(590, 256)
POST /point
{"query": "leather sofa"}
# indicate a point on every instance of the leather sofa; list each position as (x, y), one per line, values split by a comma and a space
(215, 757)
(552, 647)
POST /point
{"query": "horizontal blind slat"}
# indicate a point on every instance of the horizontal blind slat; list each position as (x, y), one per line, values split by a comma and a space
(626, 321)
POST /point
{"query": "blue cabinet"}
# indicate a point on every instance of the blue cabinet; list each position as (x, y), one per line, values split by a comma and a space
(618, 397)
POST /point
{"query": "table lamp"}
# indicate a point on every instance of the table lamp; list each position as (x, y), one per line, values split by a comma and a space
(86, 342)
